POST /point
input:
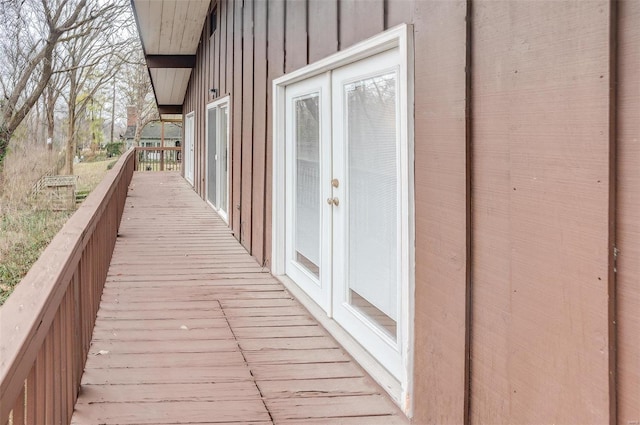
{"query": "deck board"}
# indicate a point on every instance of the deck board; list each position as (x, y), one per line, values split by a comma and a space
(192, 330)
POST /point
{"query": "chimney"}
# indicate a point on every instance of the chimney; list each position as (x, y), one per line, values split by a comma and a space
(131, 116)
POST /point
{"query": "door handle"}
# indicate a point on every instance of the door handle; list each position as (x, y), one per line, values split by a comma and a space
(333, 201)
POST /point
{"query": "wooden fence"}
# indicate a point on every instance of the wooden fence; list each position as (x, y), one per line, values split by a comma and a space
(158, 158)
(47, 323)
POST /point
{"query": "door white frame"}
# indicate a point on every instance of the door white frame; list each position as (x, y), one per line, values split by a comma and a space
(188, 154)
(317, 287)
(401, 38)
(218, 104)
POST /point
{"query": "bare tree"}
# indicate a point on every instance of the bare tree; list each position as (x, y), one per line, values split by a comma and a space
(93, 56)
(137, 93)
(34, 28)
(50, 95)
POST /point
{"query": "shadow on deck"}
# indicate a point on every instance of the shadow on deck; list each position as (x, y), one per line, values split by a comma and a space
(190, 329)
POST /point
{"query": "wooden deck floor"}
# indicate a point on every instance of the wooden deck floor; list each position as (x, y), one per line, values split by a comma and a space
(192, 330)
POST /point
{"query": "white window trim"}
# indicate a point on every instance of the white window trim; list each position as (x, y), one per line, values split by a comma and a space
(215, 104)
(400, 37)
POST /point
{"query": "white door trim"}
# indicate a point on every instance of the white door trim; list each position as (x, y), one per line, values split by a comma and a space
(400, 37)
(217, 104)
(189, 142)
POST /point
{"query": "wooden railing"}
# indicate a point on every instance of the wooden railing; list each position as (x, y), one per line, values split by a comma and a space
(47, 323)
(158, 158)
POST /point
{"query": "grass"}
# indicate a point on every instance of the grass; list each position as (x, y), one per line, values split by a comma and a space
(25, 228)
(91, 173)
(26, 234)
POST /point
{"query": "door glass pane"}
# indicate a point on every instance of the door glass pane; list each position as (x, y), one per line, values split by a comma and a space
(223, 150)
(372, 199)
(307, 183)
(211, 156)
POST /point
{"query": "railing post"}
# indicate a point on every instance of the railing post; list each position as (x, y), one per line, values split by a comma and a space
(162, 146)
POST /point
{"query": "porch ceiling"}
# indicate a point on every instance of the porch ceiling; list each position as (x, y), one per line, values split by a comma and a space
(170, 32)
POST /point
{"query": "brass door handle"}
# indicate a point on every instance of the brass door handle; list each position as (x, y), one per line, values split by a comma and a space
(333, 201)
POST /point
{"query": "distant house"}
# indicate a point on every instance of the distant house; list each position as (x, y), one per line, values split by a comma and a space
(152, 134)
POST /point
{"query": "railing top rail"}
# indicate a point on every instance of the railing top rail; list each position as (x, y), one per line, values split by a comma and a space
(158, 148)
(27, 315)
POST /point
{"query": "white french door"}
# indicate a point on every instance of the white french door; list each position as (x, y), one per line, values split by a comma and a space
(188, 147)
(217, 183)
(345, 200)
(308, 150)
(367, 227)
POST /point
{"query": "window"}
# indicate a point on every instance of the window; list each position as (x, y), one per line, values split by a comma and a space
(213, 21)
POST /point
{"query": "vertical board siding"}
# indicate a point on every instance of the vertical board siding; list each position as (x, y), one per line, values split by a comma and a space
(295, 34)
(275, 65)
(199, 120)
(259, 129)
(215, 58)
(398, 12)
(323, 28)
(539, 177)
(490, 392)
(237, 100)
(247, 126)
(440, 205)
(628, 218)
(540, 349)
(222, 54)
(359, 20)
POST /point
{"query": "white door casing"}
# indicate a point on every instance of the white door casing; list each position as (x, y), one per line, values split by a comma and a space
(218, 158)
(188, 147)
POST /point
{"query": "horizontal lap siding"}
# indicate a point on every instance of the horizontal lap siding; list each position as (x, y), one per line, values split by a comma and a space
(540, 334)
(628, 218)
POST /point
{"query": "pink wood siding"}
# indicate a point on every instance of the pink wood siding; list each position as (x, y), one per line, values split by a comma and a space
(517, 137)
(628, 213)
(441, 213)
(540, 268)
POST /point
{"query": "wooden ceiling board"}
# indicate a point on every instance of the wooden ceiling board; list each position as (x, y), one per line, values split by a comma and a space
(193, 25)
(181, 14)
(149, 24)
(170, 84)
(171, 26)
(180, 82)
